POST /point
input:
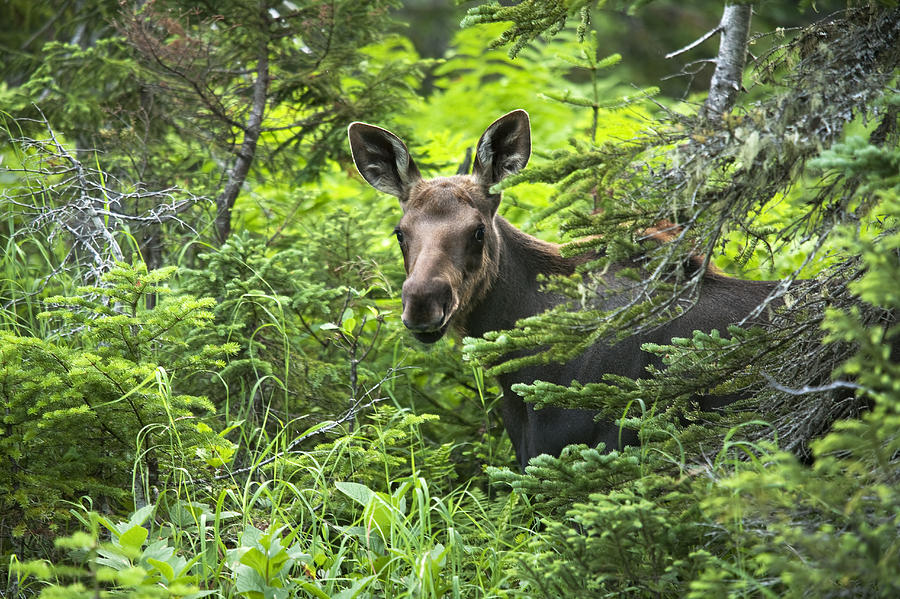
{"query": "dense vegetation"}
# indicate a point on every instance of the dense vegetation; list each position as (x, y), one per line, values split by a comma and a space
(205, 388)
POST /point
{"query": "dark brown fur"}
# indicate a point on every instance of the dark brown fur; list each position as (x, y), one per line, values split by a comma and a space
(467, 267)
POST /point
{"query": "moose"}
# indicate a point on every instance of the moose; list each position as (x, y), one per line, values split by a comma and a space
(470, 269)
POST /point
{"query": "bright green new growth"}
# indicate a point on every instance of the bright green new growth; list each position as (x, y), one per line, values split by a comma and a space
(94, 410)
(256, 423)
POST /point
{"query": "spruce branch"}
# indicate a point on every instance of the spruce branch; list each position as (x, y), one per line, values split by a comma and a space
(530, 19)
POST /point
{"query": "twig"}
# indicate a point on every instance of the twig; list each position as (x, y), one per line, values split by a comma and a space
(310, 331)
(807, 389)
(349, 415)
(697, 42)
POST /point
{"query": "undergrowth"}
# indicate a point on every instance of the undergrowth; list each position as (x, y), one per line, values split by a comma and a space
(252, 421)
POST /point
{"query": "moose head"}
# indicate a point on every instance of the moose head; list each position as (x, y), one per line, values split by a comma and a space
(448, 232)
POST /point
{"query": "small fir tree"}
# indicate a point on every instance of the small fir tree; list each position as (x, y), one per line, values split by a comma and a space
(95, 409)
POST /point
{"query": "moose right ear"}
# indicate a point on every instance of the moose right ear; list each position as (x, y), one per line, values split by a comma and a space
(382, 159)
(504, 148)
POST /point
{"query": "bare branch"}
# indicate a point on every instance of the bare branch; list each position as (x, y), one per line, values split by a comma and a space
(697, 42)
(807, 389)
(57, 197)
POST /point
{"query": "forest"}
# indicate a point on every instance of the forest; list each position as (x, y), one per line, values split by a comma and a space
(207, 389)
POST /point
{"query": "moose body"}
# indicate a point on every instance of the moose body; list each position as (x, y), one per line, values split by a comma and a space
(470, 269)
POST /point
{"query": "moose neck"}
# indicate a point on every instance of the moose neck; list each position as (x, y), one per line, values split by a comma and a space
(515, 292)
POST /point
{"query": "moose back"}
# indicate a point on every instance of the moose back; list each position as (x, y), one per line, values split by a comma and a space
(470, 269)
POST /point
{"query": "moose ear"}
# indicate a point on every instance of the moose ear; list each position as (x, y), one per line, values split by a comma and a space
(504, 148)
(382, 159)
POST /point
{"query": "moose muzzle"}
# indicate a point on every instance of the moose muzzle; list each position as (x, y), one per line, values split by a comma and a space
(427, 307)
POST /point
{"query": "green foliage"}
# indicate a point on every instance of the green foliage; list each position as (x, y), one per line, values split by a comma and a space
(753, 520)
(354, 541)
(387, 521)
(71, 79)
(120, 567)
(86, 409)
(165, 93)
(262, 562)
(632, 524)
(392, 442)
(829, 531)
(555, 483)
(643, 542)
(390, 518)
(305, 318)
(581, 172)
(530, 19)
(284, 435)
(257, 291)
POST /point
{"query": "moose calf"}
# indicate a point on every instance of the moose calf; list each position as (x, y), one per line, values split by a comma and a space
(470, 269)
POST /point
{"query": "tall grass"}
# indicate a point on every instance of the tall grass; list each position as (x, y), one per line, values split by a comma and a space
(292, 528)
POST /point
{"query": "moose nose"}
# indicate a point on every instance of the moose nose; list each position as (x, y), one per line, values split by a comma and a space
(426, 304)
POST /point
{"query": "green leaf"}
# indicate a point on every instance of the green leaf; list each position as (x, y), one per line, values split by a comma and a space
(167, 571)
(133, 539)
(256, 559)
(113, 557)
(249, 582)
(313, 590)
(361, 494)
(358, 587)
(142, 515)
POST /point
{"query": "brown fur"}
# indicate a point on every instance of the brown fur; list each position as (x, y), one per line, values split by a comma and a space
(441, 201)
(469, 268)
(665, 231)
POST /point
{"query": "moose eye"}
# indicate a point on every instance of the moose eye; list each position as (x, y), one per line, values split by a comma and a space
(479, 234)
(399, 235)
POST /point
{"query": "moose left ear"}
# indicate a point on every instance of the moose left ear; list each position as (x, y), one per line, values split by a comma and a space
(504, 148)
(382, 159)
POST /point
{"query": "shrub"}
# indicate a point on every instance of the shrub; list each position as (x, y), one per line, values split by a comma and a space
(94, 409)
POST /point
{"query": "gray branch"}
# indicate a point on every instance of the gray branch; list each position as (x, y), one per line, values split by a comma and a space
(55, 196)
(696, 42)
(243, 161)
(726, 79)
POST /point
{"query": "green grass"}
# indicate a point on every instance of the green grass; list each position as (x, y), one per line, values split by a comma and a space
(292, 528)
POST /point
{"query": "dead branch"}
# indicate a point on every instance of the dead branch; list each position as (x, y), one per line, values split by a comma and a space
(59, 198)
(697, 42)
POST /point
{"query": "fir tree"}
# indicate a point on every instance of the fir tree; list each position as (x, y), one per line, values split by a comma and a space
(95, 409)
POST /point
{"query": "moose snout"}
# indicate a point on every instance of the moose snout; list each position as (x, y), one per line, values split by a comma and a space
(427, 304)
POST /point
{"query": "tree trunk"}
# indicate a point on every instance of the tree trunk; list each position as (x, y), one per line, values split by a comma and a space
(726, 80)
(238, 174)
